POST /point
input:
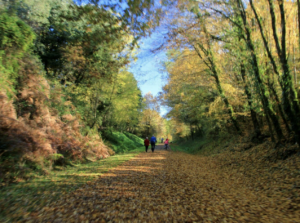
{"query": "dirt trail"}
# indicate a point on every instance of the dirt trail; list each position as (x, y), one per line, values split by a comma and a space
(165, 187)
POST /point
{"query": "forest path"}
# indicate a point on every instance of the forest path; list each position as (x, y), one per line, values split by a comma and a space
(164, 187)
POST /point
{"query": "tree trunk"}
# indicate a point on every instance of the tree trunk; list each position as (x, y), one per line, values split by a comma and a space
(229, 107)
(270, 127)
(295, 69)
(280, 109)
(249, 97)
(215, 74)
(289, 95)
(192, 133)
(265, 101)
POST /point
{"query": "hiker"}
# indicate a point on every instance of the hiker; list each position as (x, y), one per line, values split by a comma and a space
(146, 143)
(162, 140)
(153, 141)
(166, 144)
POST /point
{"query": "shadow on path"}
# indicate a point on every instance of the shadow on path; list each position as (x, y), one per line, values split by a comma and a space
(165, 187)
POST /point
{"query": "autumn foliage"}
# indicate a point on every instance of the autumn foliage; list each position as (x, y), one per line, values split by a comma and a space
(38, 133)
(233, 67)
(178, 187)
(63, 81)
(231, 92)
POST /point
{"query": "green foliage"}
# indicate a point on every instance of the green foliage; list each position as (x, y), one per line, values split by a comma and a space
(55, 156)
(125, 102)
(137, 140)
(122, 142)
(206, 146)
(64, 68)
(15, 34)
(16, 39)
(78, 47)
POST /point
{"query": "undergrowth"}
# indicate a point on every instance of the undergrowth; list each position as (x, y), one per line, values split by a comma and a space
(203, 145)
(17, 200)
(122, 142)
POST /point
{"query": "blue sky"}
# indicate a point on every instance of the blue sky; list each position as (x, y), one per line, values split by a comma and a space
(148, 69)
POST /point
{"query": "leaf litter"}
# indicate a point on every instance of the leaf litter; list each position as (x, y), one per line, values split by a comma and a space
(170, 187)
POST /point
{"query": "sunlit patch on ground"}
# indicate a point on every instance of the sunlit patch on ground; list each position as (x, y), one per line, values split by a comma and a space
(21, 200)
(167, 187)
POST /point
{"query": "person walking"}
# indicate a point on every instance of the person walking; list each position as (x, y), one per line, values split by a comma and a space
(166, 143)
(162, 140)
(153, 141)
(146, 143)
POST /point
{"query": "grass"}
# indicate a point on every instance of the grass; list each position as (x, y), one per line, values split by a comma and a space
(122, 142)
(202, 146)
(21, 199)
